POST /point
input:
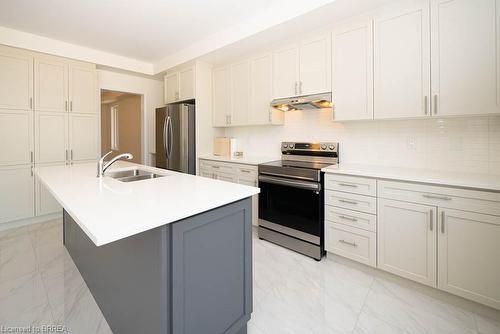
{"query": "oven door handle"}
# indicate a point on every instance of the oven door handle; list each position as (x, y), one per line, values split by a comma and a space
(290, 183)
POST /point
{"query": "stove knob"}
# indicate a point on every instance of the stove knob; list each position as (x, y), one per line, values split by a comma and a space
(285, 145)
(323, 147)
(290, 146)
(331, 147)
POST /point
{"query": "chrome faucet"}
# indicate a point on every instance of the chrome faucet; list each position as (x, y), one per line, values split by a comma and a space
(101, 167)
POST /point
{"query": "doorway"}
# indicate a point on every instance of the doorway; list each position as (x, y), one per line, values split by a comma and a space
(121, 124)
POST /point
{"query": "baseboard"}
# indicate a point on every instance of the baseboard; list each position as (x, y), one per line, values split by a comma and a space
(30, 221)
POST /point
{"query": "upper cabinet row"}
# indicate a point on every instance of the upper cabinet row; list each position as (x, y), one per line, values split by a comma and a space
(46, 83)
(242, 91)
(180, 85)
(436, 58)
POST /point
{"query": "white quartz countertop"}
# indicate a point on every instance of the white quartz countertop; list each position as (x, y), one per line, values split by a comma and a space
(109, 210)
(444, 178)
(248, 160)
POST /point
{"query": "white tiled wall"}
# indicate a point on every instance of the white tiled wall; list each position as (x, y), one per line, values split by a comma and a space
(455, 144)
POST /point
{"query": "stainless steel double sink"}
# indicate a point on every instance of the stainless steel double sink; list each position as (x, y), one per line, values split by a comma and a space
(132, 175)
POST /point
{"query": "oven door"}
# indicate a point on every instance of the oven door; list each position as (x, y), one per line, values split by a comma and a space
(291, 203)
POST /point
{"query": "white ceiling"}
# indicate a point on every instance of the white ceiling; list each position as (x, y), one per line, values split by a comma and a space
(147, 30)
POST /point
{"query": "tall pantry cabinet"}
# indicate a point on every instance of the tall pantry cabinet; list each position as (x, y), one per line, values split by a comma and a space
(48, 116)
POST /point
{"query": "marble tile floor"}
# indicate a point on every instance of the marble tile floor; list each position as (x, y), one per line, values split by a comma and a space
(40, 285)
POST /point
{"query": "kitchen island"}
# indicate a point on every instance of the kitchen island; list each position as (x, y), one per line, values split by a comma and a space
(165, 254)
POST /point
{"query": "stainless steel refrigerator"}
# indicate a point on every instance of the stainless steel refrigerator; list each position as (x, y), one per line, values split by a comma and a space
(175, 137)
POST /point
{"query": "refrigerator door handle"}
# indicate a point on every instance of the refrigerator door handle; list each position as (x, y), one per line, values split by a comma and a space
(165, 125)
(170, 136)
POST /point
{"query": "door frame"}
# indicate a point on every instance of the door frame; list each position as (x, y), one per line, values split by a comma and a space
(144, 120)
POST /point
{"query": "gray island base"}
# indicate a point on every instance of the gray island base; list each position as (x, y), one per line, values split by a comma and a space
(193, 276)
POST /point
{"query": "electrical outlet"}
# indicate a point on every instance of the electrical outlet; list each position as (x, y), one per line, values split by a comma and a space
(411, 143)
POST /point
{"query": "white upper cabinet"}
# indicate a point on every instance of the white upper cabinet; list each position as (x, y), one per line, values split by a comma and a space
(171, 87)
(221, 96)
(187, 84)
(51, 85)
(16, 79)
(180, 85)
(468, 255)
(465, 61)
(285, 72)
(352, 78)
(16, 137)
(51, 137)
(83, 137)
(315, 66)
(82, 89)
(240, 92)
(261, 81)
(402, 63)
(407, 240)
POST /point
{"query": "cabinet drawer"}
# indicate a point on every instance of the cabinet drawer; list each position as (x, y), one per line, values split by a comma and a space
(351, 201)
(217, 166)
(445, 197)
(351, 184)
(353, 243)
(351, 218)
(246, 171)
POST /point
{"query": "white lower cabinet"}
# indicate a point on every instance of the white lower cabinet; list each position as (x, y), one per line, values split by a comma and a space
(469, 255)
(16, 193)
(353, 243)
(235, 173)
(407, 240)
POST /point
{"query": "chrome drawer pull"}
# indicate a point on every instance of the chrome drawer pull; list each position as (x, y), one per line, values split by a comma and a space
(245, 171)
(348, 218)
(353, 244)
(348, 202)
(444, 198)
(348, 185)
(215, 167)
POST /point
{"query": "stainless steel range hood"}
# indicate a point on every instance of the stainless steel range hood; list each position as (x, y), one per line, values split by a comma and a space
(307, 102)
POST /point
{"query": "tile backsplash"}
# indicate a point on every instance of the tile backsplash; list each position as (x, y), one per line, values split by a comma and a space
(456, 144)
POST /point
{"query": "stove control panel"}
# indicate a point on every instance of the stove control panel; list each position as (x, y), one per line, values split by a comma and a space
(290, 147)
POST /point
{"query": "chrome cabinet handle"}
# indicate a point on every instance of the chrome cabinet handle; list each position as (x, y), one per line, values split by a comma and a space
(444, 198)
(31, 103)
(431, 220)
(348, 218)
(348, 185)
(165, 137)
(170, 137)
(425, 105)
(348, 202)
(66, 105)
(71, 106)
(31, 156)
(245, 170)
(353, 244)
(442, 221)
(435, 104)
(32, 171)
(71, 154)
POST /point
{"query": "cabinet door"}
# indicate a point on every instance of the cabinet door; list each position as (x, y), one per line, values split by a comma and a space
(407, 240)
(226, 177)
(82, 89)
(83, 137)
(315, 61)
(171, 87)
(285, 72)
(187, 84)
(352, 78)
(261, 89)
(468, 255)
(45, 202)
(16, 193)
(465, 71)
(51, 137)
(51, 85)
(402, 63)
(221, 96)
(16, 79)
(240, 91)
(16, 137)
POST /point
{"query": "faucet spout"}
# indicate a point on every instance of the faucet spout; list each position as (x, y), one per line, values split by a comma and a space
(101, 167)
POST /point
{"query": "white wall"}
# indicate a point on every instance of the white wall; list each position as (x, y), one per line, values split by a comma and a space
(452, 144)
(152, 92)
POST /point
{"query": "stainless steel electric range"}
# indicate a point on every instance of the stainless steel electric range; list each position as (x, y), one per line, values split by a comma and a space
(291, 200)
